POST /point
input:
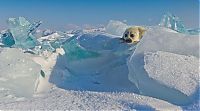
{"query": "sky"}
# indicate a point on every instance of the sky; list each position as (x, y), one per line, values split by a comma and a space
(64, 14)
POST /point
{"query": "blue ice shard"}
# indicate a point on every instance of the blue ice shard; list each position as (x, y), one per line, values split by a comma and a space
(7, 38)
(173, 22)
(22, 30)
(74, 51)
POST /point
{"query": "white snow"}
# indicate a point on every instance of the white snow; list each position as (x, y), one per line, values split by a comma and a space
(50, 37)
(176, 71)
(58, 99)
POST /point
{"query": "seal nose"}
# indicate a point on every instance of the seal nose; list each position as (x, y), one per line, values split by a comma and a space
(128, 40)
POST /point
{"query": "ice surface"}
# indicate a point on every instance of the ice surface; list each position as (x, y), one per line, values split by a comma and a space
(159, 39)
(22, 30)
(173, 22)
(18, 72)
(116, 27)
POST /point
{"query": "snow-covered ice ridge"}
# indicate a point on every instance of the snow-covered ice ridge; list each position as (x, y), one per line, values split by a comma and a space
(145, 69)
(93, 71)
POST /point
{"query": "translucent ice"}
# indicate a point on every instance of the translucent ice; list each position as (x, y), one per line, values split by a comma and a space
(74, 51)
(116, 27)
(18, 72)
(7, 38)
(160, 39)
(93, 45)
(22, 31)
(172, 22)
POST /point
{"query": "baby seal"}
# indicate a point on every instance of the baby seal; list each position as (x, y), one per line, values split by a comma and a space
(133, 34)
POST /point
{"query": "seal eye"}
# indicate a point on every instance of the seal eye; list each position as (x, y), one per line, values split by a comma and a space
(132, 35)
(126, 35)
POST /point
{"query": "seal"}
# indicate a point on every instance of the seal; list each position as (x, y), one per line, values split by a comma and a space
(133, 35)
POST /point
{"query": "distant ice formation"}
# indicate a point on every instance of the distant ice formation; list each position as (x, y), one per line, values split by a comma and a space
(173, 22)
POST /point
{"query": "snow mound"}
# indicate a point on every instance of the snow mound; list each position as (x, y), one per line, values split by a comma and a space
(159, 39)
(18, 73)
(176, 71)
(58, 99)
